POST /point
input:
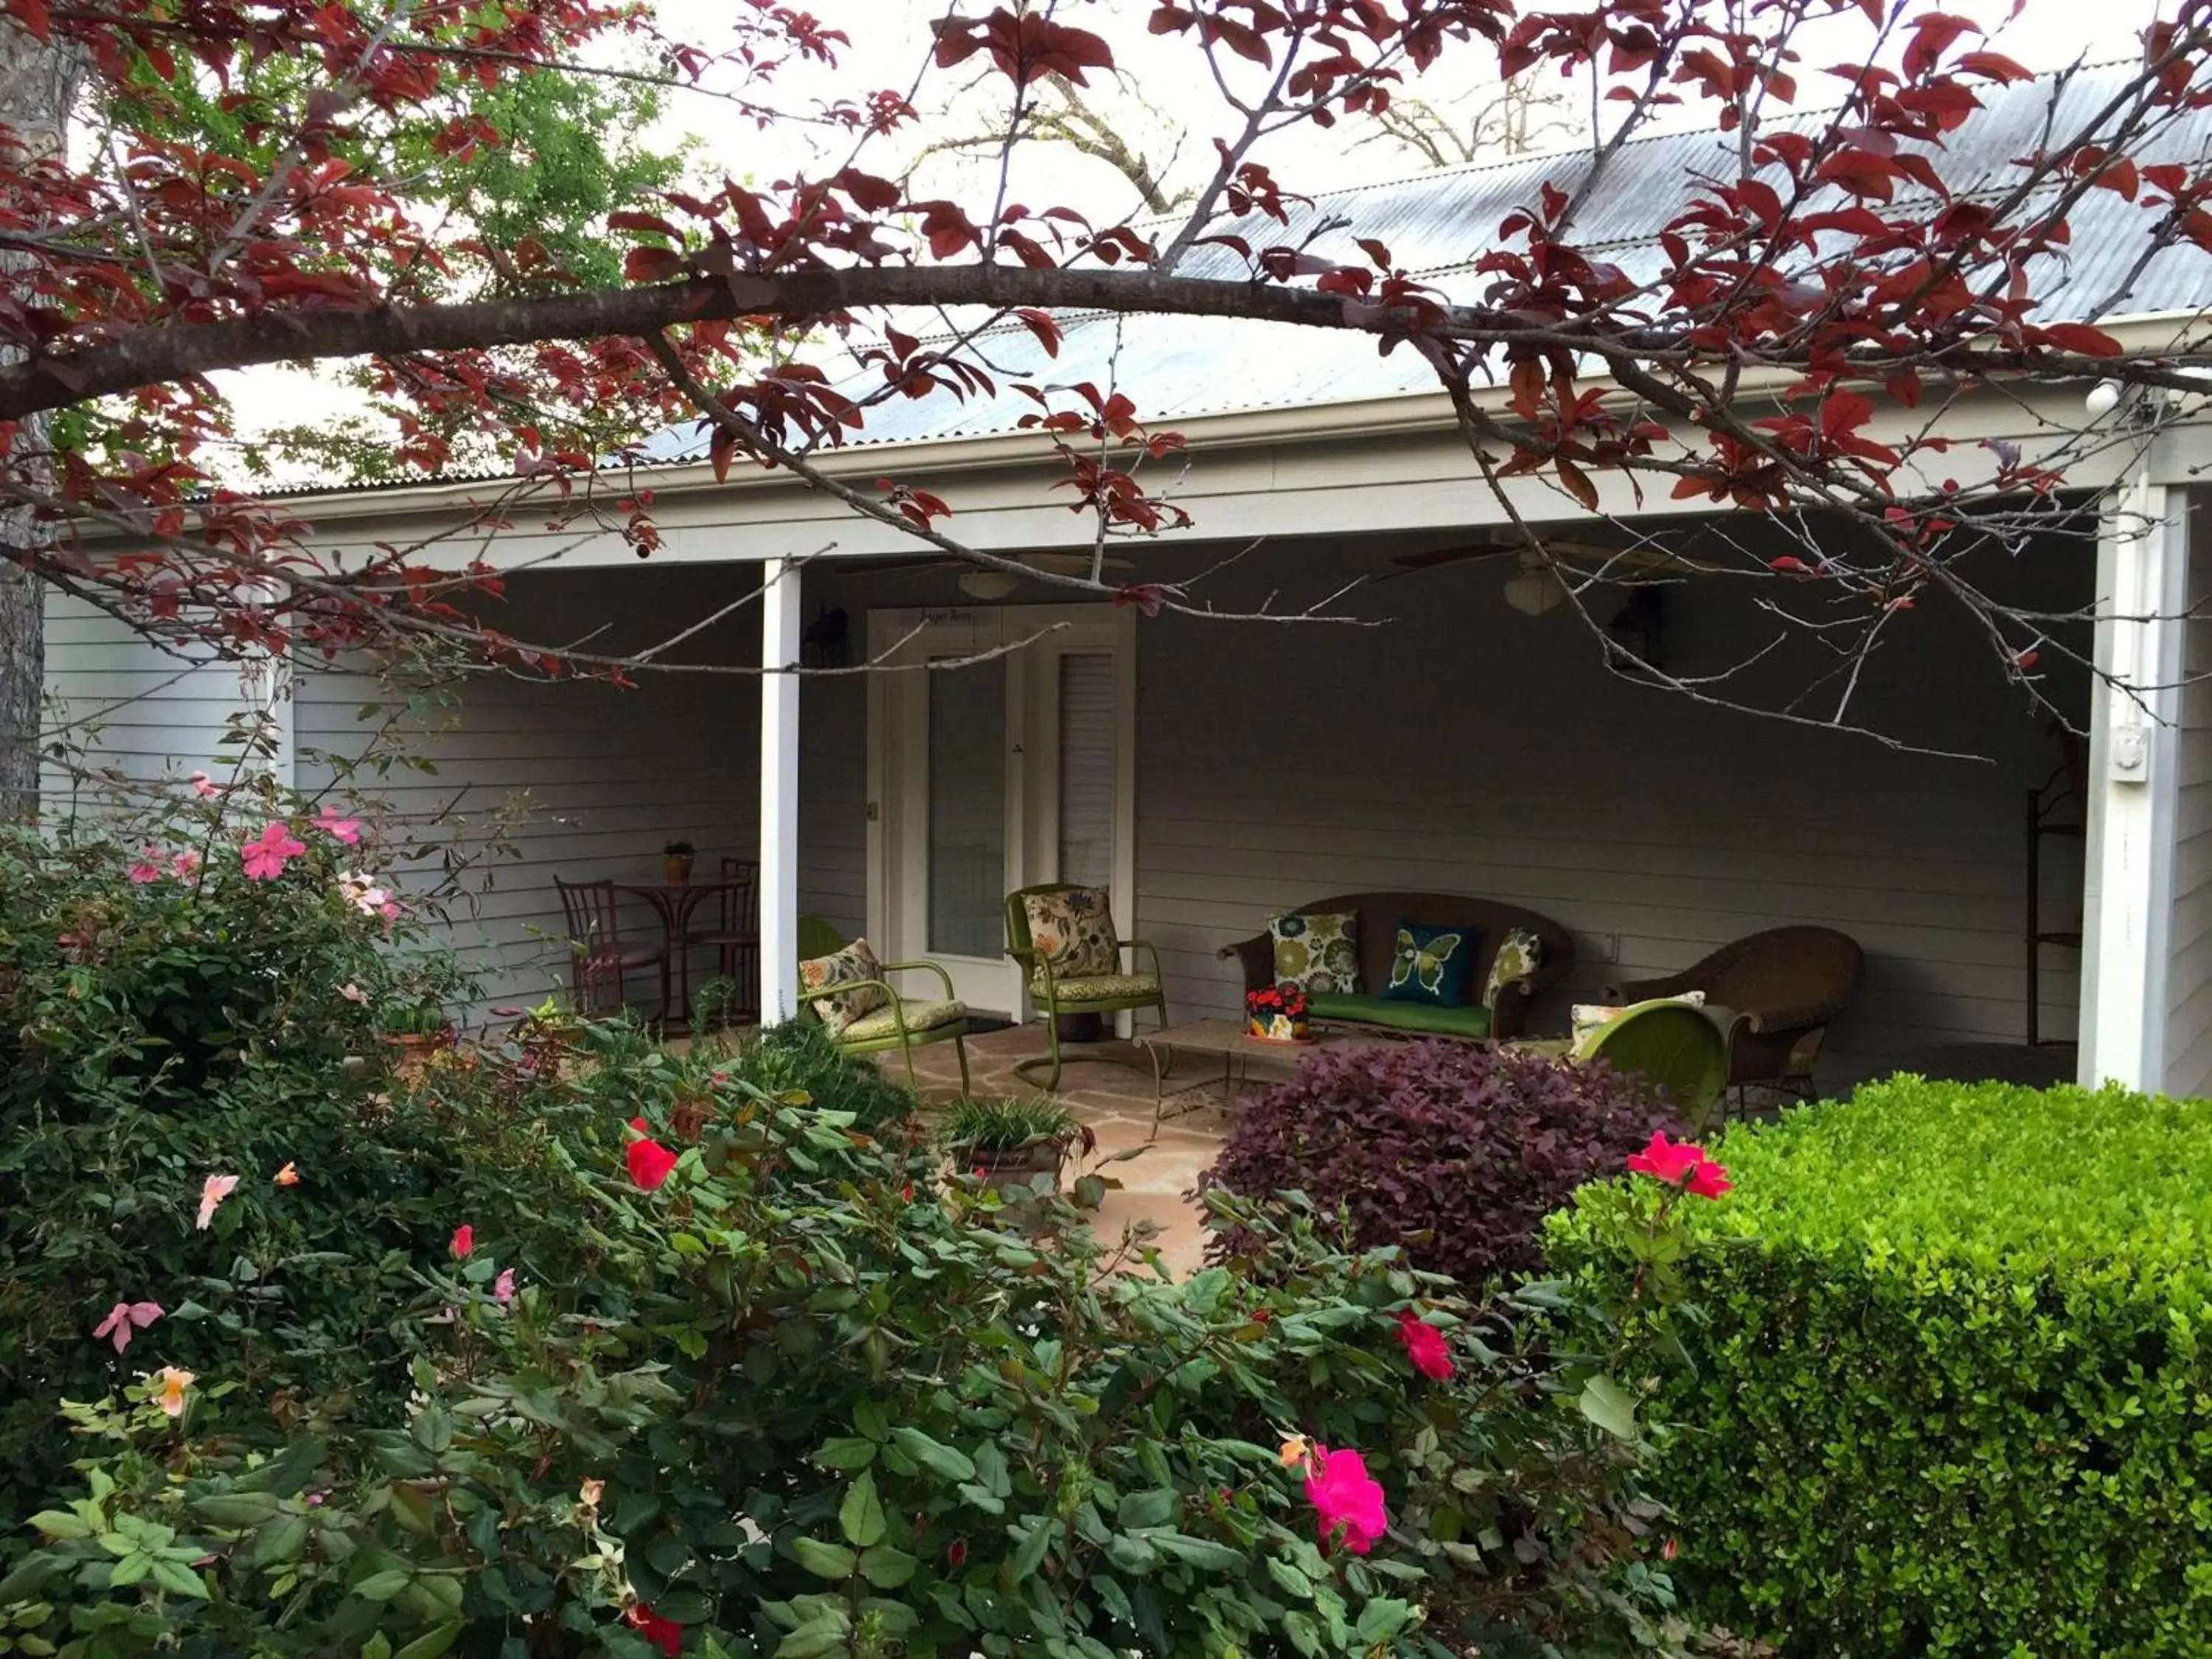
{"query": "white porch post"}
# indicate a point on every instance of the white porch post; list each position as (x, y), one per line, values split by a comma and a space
(778, 791)
(2126, 879)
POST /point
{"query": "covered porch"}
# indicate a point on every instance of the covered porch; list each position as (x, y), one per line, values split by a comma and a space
(1452, 739)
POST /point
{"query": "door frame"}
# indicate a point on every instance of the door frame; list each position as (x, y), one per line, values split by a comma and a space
(897, 775)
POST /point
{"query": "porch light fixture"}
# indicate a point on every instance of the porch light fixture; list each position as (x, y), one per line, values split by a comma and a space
(1533, 589)
(989, 586)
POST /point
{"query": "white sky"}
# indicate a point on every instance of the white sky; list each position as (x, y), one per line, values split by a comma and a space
(891, 43)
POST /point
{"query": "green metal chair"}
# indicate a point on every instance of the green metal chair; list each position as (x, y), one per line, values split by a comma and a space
(905, 1024)
(1103, 993)
(1680, 1050)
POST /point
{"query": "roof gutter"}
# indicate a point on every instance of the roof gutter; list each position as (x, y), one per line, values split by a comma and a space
(1401, 414)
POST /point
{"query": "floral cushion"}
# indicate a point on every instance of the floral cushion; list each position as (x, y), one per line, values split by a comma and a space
(920, 1016)
(1102, 988)
(1073, 931)
(1586, 1017)
(1520, 954)
(1431, 964)
(1317, 952)
(840, 1009)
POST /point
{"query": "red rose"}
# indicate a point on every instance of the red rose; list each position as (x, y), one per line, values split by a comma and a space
(1425, 1347)
(664, 1633)
(649, 1161)
(1682, 1164)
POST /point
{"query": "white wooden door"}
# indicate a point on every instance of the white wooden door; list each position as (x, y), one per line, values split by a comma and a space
(1006, 762)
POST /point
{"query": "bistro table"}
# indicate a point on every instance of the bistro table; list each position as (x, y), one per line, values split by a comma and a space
(674, 902)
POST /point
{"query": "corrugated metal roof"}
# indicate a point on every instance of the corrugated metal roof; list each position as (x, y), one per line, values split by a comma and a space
(1437, 223)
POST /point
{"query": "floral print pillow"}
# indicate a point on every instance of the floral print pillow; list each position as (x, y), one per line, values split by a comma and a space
(1317, 953)
(1072, 931)
(856, 961)
(1520, 953)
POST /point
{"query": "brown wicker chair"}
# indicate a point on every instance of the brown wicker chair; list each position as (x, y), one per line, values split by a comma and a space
(1782, 986)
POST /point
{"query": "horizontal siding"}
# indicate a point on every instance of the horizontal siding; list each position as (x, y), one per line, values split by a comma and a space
(2189, 969)
(588, 780)
(1467, 748)
(116, 703)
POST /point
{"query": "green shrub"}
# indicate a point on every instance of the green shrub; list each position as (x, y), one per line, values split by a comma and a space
(1952, 1393)
(796, 1399)
(165, 1019)
(798, 1057)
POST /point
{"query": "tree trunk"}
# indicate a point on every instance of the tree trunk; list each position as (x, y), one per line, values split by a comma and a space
(37, 83)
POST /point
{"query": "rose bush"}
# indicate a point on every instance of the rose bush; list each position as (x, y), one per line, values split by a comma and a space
(776, 1389)
(640, 1352)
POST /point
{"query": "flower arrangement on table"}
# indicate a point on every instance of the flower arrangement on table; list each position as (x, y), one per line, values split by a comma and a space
(1278, 1013)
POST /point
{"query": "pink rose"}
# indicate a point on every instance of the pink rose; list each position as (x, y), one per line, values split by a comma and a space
(1347, 1500)
(266, 859)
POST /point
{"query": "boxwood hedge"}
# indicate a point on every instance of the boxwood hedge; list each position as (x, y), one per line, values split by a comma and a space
(1951, 1390)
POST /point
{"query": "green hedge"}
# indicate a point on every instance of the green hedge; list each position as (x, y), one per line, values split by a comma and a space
(1951, 1390)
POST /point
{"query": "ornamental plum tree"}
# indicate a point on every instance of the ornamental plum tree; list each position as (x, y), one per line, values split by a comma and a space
(264, 181)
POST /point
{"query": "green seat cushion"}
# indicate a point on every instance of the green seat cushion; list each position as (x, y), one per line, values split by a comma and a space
(920, 1016)
(1103, 987)
(1454, 1021)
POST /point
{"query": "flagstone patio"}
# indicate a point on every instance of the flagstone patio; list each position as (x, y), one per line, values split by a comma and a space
(1116, 1104)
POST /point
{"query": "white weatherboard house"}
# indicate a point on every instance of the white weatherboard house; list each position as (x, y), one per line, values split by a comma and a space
(1212, 773)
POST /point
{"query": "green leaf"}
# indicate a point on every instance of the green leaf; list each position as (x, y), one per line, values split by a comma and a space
(1380, 1619)
(860, 1516)
(59, 1523)
(1148, 1509)
(431, 1644)
(1198, 1552)
(236, 1509)
(845, 1452)
(179, 1579)
(939, 1459)
(832, 1561)
(1028, 1556)
(887, 1568)
(1293, 1581)
(1304, 1634)
(131, 1569)
(383, 1586)
(1609, 1406)
(819, 1636)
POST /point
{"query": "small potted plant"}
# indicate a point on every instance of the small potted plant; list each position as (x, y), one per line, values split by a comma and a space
(1020, 1138)
(1278, 1014)
(676, 862)
(418, 1030)
(548, 1032)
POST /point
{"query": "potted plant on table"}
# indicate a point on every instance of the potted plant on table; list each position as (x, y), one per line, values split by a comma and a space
(1021, 1138)
(1278, 1014)
(417, 1029)
(676, 862)
(548, 1032)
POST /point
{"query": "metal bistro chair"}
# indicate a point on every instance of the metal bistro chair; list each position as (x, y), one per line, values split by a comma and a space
(597, 958)
(1097, 993)
(735, 935)
(905, 1024)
